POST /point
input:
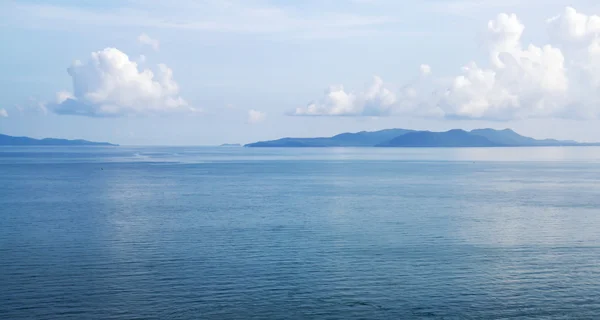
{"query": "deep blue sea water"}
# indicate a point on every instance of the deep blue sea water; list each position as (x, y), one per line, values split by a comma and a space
(237, 233)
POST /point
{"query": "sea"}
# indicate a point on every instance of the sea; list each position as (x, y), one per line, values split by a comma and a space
(330, 233)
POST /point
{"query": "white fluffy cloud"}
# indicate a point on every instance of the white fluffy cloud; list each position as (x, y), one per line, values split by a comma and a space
(561, 79)
(573, 26)
(378, 99)
(255, 116)
(147, 40)
(111, 85)
(3, 113)
(375, 100)
(520, 82)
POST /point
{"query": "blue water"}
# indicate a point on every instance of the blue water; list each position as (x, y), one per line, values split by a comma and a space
(236, 233)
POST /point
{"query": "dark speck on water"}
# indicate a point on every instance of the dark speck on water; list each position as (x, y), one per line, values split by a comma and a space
(243, 233)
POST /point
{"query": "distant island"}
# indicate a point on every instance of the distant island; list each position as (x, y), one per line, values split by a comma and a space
(6, 140)
(404, 138)
(231, 145)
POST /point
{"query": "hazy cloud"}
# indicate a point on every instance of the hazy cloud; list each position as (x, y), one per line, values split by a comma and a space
(32, 105)
(147, 40)
(3, 113)
(255, 116)
(232, 16)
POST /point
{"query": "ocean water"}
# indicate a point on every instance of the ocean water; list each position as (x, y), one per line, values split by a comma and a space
(237, 233)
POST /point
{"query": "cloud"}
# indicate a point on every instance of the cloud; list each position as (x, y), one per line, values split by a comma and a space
(475, 8)
(375, 100)
(561, 79)
(232, 16)
(255, 116)
(520, 82)
(111, 85)
(32, 105)
(572, 26)
(3, 113)
(147, 40)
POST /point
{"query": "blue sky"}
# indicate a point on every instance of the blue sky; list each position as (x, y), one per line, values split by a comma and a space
(240, 71)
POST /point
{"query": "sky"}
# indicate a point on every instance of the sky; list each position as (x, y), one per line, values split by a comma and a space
(206, 72)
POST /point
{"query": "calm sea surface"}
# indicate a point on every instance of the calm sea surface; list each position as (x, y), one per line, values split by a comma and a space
(237, 233)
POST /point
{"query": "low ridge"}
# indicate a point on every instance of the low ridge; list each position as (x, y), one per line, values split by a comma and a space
(6, 140)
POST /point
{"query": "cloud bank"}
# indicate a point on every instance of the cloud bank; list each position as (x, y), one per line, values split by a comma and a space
(111, 85)
(561, 79)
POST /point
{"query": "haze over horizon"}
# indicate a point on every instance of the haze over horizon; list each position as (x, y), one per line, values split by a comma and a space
(212, 72)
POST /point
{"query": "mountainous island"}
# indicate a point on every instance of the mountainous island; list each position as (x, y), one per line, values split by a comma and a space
(6, 140)
(403, 138)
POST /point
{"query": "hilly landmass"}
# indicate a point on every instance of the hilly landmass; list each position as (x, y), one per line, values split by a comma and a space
(452, 138)
(509, 137)
(358, 139)
(6, 140)
(412, 138)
